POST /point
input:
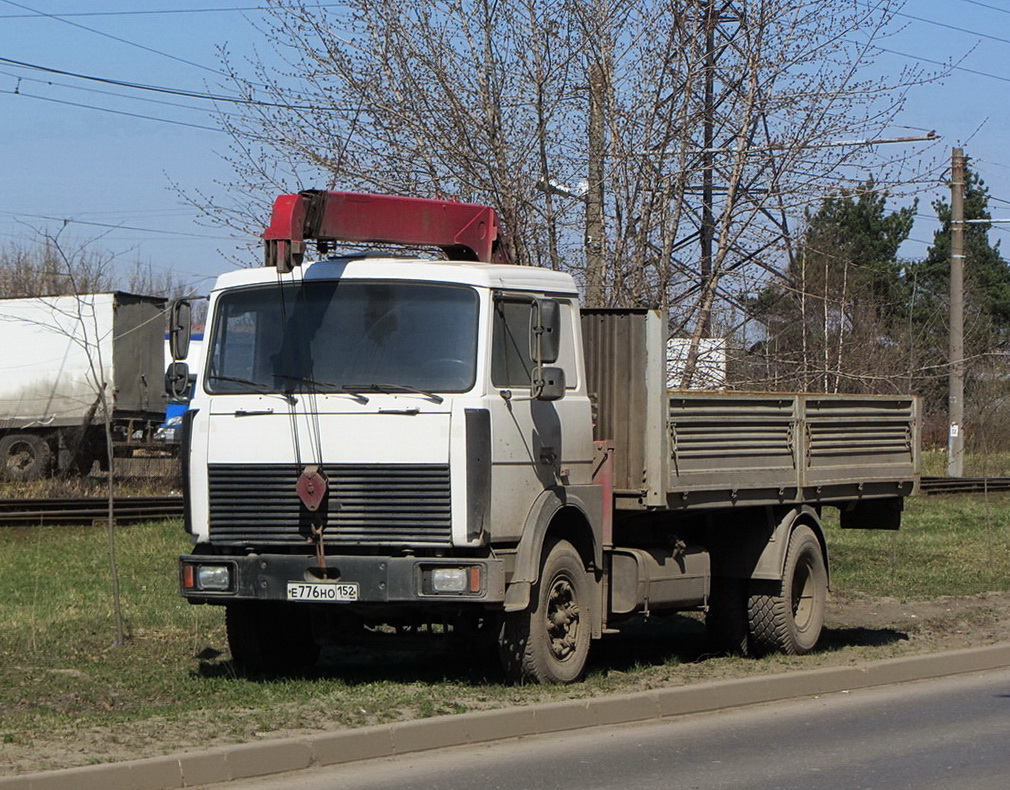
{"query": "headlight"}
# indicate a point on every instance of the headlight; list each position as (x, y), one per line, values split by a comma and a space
(454, 580)
(449, 580)
(213, 577)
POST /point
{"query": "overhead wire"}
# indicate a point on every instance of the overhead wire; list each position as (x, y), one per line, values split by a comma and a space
(109, 110)
(949, 65)
(118, 39)
(156, 11)
(112, 225)
(100, 92)
(22, 216)
(952, 27)
(944, 64)
(187, 93)
(986, 5)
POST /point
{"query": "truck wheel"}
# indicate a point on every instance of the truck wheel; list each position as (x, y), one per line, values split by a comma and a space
(550, 643)
(270, 637)
(83, 462)
(788, 616)
(24, 456)
(726, 618)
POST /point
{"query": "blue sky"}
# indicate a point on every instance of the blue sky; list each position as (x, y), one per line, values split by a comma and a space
(111, 174)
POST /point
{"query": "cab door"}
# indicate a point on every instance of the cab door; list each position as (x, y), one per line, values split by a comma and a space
(536, 444)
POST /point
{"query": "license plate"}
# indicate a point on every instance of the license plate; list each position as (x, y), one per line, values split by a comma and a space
(307, 591)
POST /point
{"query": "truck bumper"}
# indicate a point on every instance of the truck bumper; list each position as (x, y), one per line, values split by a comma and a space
(345, 580)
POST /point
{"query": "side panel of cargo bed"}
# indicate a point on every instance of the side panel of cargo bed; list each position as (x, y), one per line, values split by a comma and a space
(692, 449)
(744, 448)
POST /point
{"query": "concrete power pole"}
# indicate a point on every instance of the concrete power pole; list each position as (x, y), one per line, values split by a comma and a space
(955, 380)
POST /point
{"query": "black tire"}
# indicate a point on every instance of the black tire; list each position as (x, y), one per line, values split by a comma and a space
(789, 616)
(726, 617)
(271, 637)
(24, 456)
(83, 462)
(550, 642)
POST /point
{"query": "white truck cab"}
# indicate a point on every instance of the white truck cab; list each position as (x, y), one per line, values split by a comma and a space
(408, 387)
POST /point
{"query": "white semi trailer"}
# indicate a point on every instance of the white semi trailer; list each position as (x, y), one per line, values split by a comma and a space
(60, 353)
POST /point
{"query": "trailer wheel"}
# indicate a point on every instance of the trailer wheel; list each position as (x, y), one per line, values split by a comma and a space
(726, 618)
(24, 456)
(550, 643)
(788, 616)
(270, 637)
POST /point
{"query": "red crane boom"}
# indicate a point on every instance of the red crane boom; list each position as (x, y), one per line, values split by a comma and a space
(464, 231)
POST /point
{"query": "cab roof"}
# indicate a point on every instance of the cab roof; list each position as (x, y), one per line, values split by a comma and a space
(479, 275)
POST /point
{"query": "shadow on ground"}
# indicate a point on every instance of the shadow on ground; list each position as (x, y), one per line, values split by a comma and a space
(837, 638)
(641, 642)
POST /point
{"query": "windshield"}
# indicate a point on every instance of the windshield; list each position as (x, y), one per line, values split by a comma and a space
(344, 336)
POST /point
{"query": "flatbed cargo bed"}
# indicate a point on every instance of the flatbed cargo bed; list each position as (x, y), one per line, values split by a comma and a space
(680, 449)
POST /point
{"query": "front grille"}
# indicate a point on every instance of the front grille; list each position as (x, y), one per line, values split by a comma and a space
(369, 505)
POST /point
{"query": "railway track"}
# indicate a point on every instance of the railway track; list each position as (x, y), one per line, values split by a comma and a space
(964, 485)
(127, 509)
(131, 509)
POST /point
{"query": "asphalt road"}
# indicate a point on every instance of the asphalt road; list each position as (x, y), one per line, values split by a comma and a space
(946, 733)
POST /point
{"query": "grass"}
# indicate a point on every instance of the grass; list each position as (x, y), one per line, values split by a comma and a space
(57, 625)
(934, 464)
(172, 682)
(947, 546)
(134, 477)
(60, 672)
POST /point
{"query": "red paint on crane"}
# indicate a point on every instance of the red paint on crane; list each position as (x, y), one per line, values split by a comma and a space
(464, 231)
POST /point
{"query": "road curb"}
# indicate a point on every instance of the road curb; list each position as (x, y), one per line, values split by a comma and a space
(245, 761)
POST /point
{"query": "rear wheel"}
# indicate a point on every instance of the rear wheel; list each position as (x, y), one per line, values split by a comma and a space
(24, 456)
(789, 616)
(550, 643)
(270, 637)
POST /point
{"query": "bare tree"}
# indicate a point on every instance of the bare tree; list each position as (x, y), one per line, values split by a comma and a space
(699, 130)
(69, 283)
(87, 334)
(40, 270)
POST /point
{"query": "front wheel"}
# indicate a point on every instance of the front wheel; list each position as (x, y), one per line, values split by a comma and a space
(550, 643)
(788, 617)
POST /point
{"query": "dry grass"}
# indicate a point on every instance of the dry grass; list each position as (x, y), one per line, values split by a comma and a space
(69, 698)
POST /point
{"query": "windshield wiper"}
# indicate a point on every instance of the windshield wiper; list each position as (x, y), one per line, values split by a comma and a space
(323, 386)
(255, 386)
(391, 388)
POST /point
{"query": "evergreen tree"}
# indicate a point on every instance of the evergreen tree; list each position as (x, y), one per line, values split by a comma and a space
(844, 298)
(854, 230)
(987, 276)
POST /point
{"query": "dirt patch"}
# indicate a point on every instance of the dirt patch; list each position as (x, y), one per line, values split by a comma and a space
(661, 653)
(945, 623)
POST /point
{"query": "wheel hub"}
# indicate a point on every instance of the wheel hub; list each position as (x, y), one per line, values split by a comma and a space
(20, 457)
(562, 619)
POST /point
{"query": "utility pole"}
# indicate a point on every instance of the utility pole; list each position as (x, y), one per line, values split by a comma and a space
(955, 380)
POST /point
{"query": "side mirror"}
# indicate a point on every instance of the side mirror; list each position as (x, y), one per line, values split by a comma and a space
(545, 331)
(180, 328)
(177, 381)
(548, 383)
